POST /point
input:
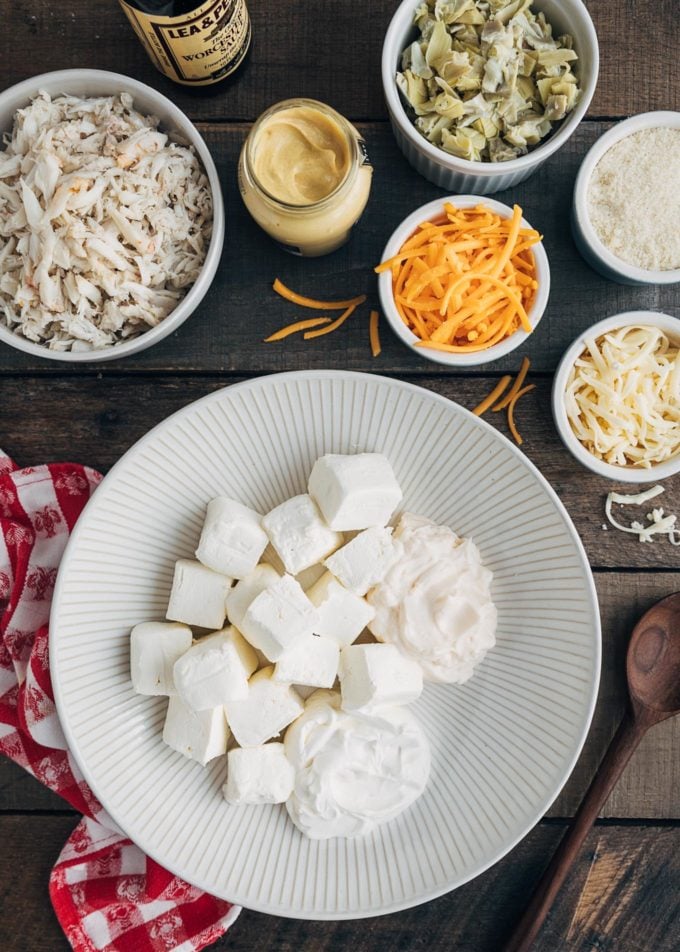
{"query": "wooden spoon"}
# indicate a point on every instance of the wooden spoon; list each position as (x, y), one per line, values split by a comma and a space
(653, 672)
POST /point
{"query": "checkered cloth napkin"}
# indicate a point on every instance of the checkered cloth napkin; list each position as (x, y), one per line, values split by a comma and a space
(108, 896)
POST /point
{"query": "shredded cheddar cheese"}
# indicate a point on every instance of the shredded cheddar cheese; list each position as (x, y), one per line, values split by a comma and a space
(493, 396)
(334, 326)
(294, 328)
(511, 412)
(466, 282)
(374, 334)
(303, 301)
(510, 400)
(623, 397)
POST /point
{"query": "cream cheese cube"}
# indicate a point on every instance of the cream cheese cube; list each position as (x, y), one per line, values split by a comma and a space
(246, 590)
(311, 661)
(232, 540)
(155, 646)
(342, 614)
(278, 617)
(215, 670)
(199, 735)
(299, 535)
(258, 775)
(366, 560)
(267, 710)
(198, 596)
(354, 492)
(371, 677)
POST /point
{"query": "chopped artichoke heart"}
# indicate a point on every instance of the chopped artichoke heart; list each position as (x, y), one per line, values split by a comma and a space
(486, 79)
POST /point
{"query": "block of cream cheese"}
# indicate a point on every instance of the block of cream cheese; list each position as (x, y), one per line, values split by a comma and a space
(267, 710)
(200, 735)
(311, 661)
(371, 677)
(154, 648)
(232, 540)
(342, 614)
(366, 560)
(258, 775)
(278, 617)
(299, 535)
(215, 670)
(246, 590)
(198, 596)
(354, 492)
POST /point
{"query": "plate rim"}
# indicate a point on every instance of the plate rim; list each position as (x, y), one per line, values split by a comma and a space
(326, 374)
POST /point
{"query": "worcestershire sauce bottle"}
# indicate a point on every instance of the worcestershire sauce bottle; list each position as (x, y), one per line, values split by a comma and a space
(196, 44)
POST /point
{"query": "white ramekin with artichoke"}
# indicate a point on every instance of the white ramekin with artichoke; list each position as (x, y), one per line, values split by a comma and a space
(486, 80)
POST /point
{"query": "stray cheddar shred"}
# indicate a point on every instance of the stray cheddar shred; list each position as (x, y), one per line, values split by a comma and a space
(494, 395)
(303, 301)
(516, 387)
(510, 399)
(374, 334)
(332, 327)
(466, 282)
(294, 328)
(511, 412)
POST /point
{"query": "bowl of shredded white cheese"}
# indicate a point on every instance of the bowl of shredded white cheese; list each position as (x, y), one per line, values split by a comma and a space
(616, 397)
(111, 216)
(627, 201)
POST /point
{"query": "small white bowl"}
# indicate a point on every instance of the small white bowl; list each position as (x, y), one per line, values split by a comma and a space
(483, 178)
(431, 212)
(97, 82)
(593, 250)
(622, 474)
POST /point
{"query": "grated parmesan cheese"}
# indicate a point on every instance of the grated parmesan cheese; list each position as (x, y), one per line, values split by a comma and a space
(658, 522)
(634, 199)
(623, 397)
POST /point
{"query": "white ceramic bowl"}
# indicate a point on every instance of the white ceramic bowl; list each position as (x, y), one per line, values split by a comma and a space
(483, 178)
(622, 474)
(593, 250)
(502, 745)
(431, 212)
(97, 82)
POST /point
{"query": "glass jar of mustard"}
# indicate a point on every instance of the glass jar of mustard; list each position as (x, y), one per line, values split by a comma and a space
(304, 176)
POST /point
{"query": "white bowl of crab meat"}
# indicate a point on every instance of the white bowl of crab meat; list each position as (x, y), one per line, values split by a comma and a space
(434, 603)
(111, 216)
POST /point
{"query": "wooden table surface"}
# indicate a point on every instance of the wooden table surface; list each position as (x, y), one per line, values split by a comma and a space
(623, 894)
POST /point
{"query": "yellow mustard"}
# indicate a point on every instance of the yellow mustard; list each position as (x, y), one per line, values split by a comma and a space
(304, 176)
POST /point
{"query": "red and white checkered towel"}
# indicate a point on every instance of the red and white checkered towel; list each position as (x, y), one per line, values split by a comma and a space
(108, 896)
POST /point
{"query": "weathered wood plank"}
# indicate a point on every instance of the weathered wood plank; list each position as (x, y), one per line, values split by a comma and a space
(225, 333)
(329, 51)
(95, 418)
(621, 895)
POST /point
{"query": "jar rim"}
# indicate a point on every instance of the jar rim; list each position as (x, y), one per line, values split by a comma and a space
(345, 126)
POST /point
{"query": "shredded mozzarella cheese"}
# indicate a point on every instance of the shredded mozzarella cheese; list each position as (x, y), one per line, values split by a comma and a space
(659, 524)
(623, 397)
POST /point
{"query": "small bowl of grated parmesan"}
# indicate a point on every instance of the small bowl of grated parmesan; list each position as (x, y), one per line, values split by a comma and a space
(627, 201)
(111, 216)
(616, 397)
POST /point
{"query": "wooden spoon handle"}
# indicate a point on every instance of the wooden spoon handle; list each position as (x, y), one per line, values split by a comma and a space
(619, 753)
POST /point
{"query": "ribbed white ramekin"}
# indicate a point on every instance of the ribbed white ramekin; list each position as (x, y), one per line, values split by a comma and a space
(482, 178)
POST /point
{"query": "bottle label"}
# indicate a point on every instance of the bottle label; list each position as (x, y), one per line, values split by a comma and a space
(199, 48)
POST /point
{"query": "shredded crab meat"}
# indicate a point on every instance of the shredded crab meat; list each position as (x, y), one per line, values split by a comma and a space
(105, 222)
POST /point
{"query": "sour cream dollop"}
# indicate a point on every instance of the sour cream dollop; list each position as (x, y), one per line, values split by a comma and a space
(353, 771)
(435, 603)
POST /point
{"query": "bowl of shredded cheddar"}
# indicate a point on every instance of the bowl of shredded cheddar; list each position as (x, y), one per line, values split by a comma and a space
(464, 280)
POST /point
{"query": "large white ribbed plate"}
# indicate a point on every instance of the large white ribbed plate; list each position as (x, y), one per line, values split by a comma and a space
(503, 744)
